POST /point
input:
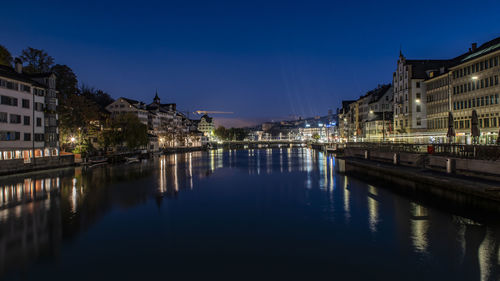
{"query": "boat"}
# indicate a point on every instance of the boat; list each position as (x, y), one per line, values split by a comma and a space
(95, 161)
(131, 160)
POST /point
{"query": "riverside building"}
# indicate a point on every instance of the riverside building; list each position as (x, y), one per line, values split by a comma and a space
(475, 86)
(28, 119)
(410, 101)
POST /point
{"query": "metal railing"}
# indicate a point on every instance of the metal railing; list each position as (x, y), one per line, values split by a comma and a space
(480, 152)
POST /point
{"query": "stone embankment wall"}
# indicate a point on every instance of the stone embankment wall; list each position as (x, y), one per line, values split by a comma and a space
(469, 167)
(8, 167)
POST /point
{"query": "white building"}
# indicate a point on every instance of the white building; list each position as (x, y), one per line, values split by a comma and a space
(124, 105)
(206, 125)
(28, 122)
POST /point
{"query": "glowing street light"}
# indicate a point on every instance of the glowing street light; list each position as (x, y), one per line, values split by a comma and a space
(474, 78)
(72, 139)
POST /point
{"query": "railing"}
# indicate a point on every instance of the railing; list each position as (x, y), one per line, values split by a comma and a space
(482, 152)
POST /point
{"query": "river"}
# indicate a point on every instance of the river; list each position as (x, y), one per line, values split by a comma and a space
(263, 214)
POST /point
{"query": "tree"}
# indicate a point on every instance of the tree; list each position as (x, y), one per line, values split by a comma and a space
(128, 129)
(66, 82)
(316, 136)
(5, 56)
(99, 97)
(221, 133)
(38, 61)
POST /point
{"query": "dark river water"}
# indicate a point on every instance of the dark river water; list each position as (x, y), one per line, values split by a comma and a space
(280, 214)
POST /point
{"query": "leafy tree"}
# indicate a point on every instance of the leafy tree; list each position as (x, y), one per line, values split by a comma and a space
(5, 56)
(316, 136)
(66, 82)
(38, 61)
(230, 134)
(99, 97)
(221, 133)
(128, 129)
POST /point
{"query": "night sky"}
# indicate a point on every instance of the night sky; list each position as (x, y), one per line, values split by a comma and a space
(260, 59)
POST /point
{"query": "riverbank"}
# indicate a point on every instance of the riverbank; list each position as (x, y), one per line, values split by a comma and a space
(469, 190)
(17, 166)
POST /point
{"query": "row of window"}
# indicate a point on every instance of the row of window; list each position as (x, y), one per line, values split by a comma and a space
(441, 95)
(437, 84)
(21, 87)
(440, 123)
(15, 136)
(478, 84)
(479, 66)
(16, 119)
(6, 100)
(492, 122)
(476, 102)
(437, 108)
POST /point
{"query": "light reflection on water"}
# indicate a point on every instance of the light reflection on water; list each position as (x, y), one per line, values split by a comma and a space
(263, 203)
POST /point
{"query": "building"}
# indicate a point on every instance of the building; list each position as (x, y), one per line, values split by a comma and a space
(378, 123)
(28, 119)
(474, 86)
(410, 102)
(124, 105)
(345, 118)
(438, 105)
(206, 125)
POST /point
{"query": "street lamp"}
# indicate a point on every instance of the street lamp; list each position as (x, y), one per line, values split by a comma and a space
(72, 139)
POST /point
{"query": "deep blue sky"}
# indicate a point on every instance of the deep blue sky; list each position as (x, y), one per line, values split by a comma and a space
(259, 59)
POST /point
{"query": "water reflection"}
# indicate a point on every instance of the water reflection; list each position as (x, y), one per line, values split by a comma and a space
(269, 198)
(419, 227)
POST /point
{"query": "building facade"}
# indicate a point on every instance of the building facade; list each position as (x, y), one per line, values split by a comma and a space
(475, 86)
(28, 120)
(206, 125)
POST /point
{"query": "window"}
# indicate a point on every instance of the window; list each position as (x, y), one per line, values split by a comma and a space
(496, 98)
(39, 137)
(496, 79)
(419, 108)
(3, 117)
(482, 101)
(418, 84)
(406, 122)
(39, 122)
(27, 136)
(493, 122)
(8, 101)
(26, 120)
(486, 122)
(9, 136)
(15, 119)
(418, 96)
(454, 106)
(26, 103)
(38, 106)
(25, 88)
(419, 122)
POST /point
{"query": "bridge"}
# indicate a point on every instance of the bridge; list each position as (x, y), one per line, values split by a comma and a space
(261, 143)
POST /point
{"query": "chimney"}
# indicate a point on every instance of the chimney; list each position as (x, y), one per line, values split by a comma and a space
(474, 46)
(18, 65)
